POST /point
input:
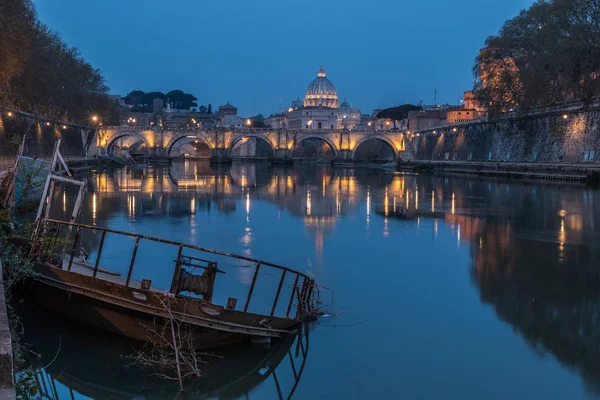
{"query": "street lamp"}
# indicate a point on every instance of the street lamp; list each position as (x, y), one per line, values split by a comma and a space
(248, 122)
(10, 114)
(310, 124)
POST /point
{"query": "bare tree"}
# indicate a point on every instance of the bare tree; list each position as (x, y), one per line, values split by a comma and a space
(171, 353)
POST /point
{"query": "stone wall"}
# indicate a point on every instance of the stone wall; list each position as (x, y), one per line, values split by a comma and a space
(40, 137)
(569, 133)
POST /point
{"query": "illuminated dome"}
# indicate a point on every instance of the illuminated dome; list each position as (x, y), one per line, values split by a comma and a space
(321, 92)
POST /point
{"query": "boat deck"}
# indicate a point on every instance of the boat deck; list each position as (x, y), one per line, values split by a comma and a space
(105, 274)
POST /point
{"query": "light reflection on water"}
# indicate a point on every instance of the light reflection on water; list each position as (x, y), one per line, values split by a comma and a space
(444, 287)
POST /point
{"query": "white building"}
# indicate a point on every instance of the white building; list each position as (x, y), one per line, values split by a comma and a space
(312, 118)
(321, 109)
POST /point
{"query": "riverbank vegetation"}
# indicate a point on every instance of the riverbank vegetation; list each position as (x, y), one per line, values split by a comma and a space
(41, 74)
(548, 53)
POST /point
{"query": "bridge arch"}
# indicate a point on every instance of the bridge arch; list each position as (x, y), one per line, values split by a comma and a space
(241, 137)
(189, 138)
(380, 138)
(121, 134)
(323, 138)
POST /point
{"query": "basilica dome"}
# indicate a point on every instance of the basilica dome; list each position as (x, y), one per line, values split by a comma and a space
(321, 92)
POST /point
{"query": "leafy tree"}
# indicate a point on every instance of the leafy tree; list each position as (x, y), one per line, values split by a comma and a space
(548, 53)
(40, 73)
(148, 98)
(398, 113)
(16, 20)
(134, 98)
(180, 100)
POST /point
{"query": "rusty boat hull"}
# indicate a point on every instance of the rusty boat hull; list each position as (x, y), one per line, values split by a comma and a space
(104, 299)
(135, 313)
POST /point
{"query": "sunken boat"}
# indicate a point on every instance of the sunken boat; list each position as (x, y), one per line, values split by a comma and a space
(192, 287)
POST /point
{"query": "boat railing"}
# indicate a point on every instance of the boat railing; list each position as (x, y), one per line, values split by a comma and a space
(55, 247)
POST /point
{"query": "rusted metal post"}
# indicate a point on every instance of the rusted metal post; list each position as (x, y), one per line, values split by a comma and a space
(135, 249)
(174, 281)
(77, 233)
(97, 264)
(287, 314)
(278, 291)
(252, 287)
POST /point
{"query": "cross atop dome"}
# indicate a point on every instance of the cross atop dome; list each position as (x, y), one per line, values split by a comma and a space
(321, 73)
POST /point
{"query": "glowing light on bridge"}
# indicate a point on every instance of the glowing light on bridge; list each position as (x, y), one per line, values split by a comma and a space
(64, 199)
(308, 203)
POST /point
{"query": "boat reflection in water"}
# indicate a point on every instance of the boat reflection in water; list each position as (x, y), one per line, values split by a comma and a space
(81, 362)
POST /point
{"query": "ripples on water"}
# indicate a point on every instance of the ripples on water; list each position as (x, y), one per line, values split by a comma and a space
(444, 287)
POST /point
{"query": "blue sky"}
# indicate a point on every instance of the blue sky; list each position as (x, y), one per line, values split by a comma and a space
(262, 54)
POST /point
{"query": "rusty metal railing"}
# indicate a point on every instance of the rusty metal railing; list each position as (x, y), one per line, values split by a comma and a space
(52, 245)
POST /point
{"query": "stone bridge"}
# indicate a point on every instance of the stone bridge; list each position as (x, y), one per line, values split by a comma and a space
(220, 141)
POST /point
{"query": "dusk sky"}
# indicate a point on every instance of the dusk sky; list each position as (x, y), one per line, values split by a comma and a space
(262, 54)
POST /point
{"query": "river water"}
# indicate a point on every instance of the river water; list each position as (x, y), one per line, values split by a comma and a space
(445, 287)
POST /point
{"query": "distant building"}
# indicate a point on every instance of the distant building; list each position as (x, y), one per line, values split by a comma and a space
(348, 116)
(136, 119)
(427, 118)
(471, 102)
(118, 100)
(464, 115)
(297, 103)
(227, 109)
(157, 105)
(231, 121)
(276, 121)
(203, 119)
(470, 111)
(312, 118)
